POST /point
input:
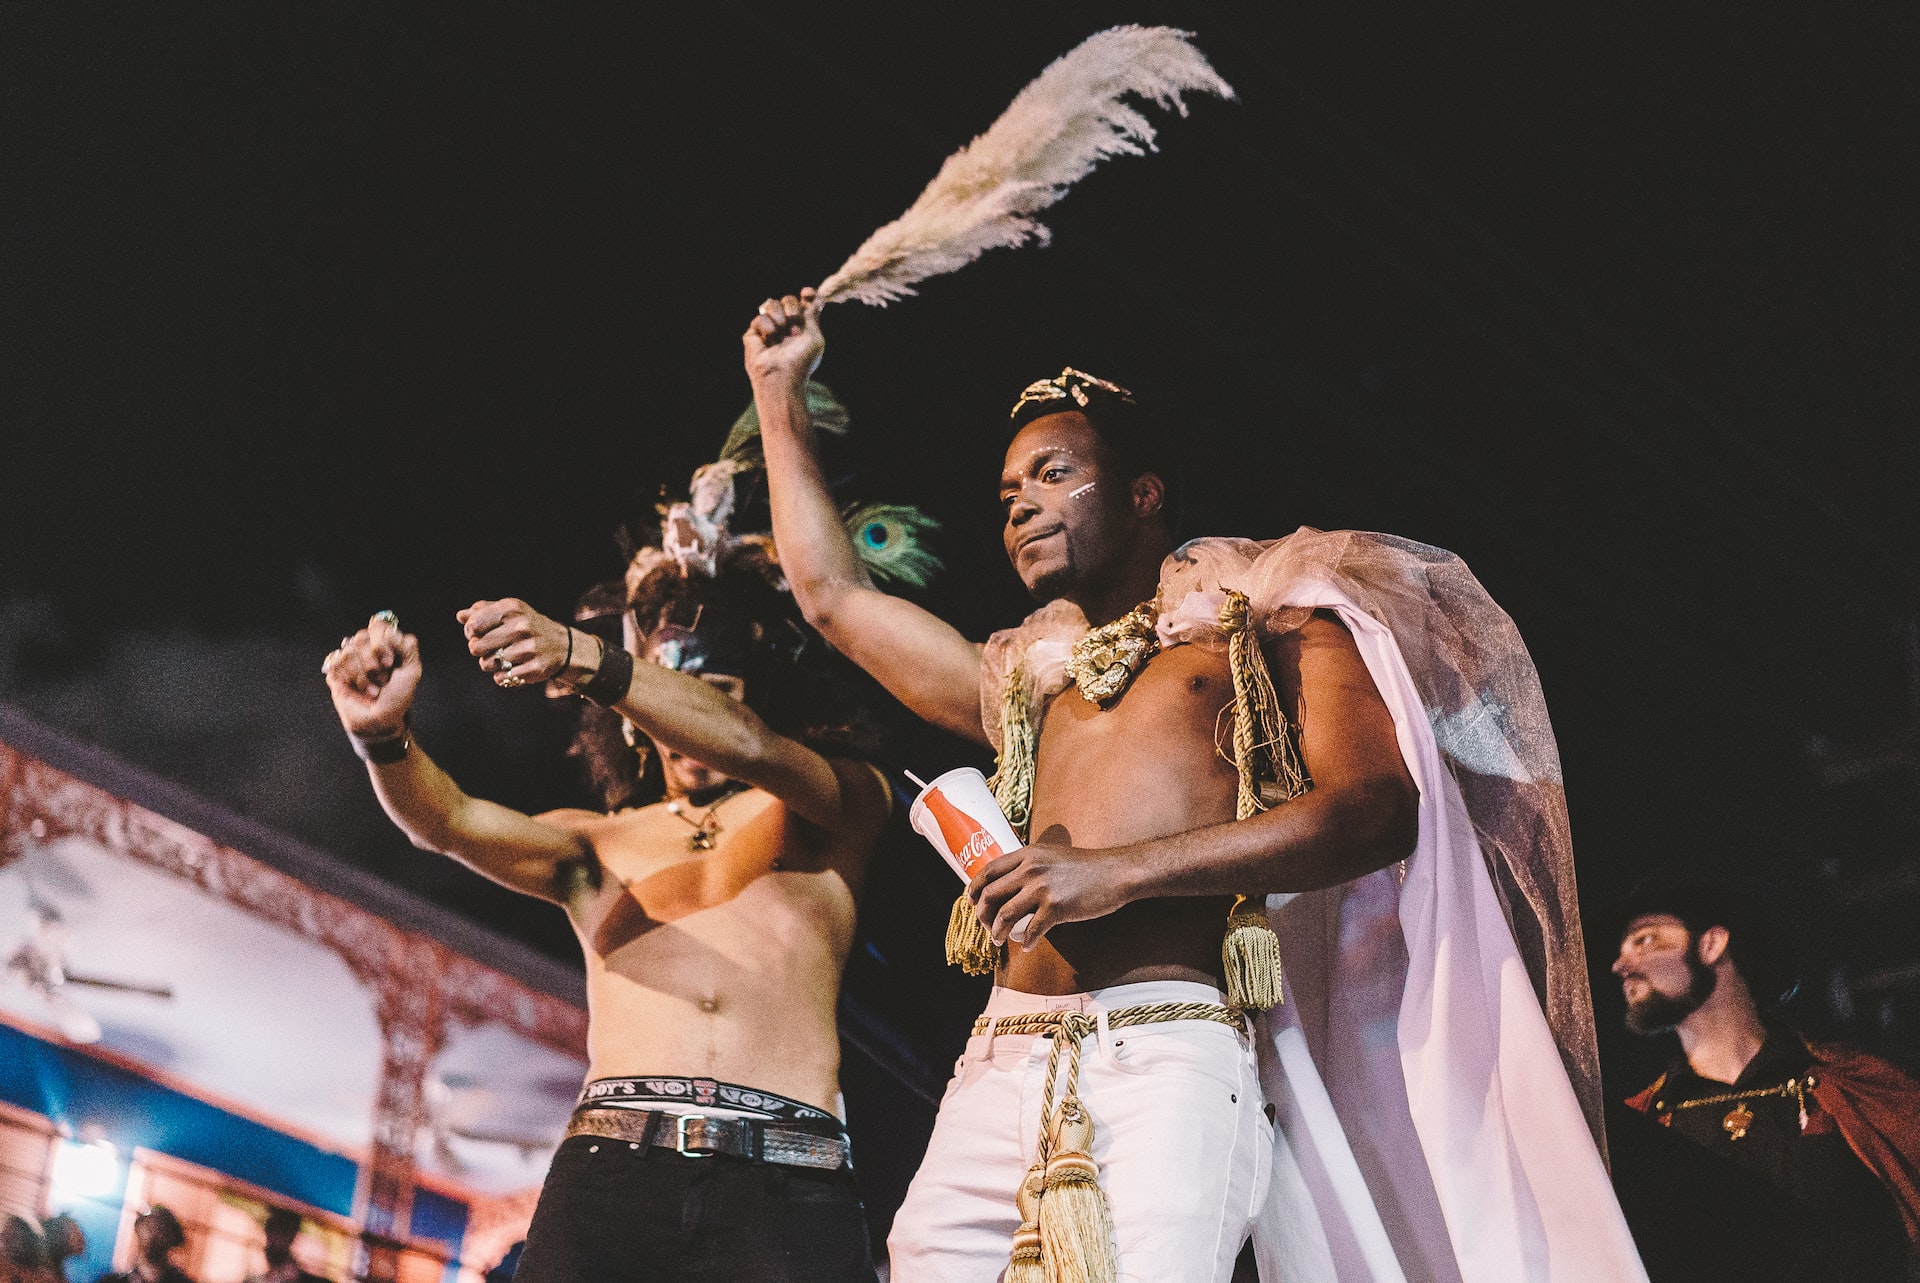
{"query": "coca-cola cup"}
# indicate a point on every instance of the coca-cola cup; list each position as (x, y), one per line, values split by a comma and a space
(958, 814)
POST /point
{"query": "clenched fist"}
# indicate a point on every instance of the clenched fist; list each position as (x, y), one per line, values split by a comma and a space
(373, 677)
(784, 343)
(517, 644)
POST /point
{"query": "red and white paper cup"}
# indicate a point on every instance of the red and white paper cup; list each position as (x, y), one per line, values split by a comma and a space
(958, 814)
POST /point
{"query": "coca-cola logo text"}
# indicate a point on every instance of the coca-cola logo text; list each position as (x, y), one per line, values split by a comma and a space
(978, 848)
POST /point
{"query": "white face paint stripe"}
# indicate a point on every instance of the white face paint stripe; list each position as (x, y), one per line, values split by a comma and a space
(1075, 494)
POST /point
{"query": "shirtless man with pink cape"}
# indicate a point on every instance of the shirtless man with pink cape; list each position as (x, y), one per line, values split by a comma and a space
(1340, 729)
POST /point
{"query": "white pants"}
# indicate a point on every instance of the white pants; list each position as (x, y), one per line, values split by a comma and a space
(1180, 1134)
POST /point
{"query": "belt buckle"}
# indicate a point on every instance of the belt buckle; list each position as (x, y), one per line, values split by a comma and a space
(680, 1122)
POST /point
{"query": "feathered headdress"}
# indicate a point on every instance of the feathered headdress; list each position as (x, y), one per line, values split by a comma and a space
(697, 535)
(703, 596)
(1072, 117)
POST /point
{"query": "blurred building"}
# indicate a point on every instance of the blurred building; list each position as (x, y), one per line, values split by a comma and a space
(200, 1012)
(1859, 898)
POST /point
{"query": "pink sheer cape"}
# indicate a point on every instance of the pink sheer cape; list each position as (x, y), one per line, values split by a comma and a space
(1442, 1011)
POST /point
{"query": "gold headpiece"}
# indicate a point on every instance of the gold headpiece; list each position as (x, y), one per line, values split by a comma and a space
(1068, 383)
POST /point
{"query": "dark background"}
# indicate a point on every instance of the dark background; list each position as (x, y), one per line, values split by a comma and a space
(308, 311)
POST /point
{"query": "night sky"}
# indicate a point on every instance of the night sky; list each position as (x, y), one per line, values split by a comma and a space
(308, 311)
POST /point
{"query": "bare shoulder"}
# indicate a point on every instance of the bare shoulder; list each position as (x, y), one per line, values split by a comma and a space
(868, 798)
(614, 830)
(1319, 651)
(574, 819)
(1324, 628)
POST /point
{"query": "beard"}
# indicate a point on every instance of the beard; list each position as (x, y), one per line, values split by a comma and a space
(1658, 1013)
(1051, 585)
(1055, 581)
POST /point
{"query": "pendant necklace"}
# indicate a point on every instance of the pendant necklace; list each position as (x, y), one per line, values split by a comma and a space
(707, 827)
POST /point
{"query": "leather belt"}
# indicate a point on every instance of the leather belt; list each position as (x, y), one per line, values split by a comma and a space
(701, 1136)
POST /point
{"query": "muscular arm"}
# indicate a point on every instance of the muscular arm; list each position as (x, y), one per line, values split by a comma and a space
(917, 656)
(1362, 813)
(494, 841)
(373, 678)
(683, 713)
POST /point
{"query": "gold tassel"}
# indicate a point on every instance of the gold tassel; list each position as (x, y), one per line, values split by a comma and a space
(969, 947)
(1261, 736)
(1012, 781)
(1076, 1229)
(1026, 1265)
(1250, 956)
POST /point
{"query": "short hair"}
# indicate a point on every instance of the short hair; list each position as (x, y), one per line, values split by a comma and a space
(21, 1243)
(1134, 436)
(1754, 943)
(166, 1225)
(61, 1231)
(283, 1220)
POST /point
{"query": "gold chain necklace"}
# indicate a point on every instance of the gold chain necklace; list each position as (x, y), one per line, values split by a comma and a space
(1740, 1118)
(707, 827)
(1107, 659)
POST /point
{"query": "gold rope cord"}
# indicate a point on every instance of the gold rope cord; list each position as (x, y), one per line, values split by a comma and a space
(1262, 735)
(1044, 1023)
(969, 946)
(1012, 781)
(1262, 738)
(1066, 1230)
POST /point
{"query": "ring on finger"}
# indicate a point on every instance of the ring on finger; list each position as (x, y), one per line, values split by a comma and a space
(386, 617)
(509, 680)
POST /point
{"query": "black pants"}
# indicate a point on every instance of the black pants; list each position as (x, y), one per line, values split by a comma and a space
(613, 1213)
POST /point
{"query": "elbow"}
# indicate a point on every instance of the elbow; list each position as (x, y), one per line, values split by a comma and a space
(431, 843)
(747, 745)
(436, 834)
(815, 608)
(1380, 820)
(1393, 807)
(820, 602)
(734, 745)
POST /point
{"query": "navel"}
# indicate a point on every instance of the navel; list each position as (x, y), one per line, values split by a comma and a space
(709, 1004)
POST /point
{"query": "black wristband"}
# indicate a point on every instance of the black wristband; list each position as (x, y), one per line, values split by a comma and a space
(609, 683)
(385, 751)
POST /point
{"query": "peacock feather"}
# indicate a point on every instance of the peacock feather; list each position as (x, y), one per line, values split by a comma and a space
(889, 539)
(823, 409)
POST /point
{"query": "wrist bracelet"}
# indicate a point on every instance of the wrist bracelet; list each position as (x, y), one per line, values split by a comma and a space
(609, 683)
(567, 663)
(385, 751)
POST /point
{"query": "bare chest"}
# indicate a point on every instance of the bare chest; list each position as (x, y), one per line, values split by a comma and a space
(1148, 764)
(764, 878)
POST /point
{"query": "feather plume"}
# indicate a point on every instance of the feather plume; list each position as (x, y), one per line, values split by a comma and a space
(1072, 117)
(890, 540)
(823, 409)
